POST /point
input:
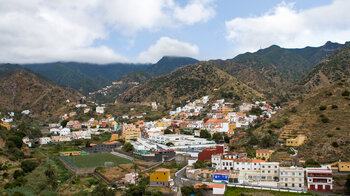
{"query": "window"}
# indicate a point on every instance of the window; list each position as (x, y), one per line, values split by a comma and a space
(269, 166)
(293, 174)
(268, 171)
(263, 166)
(286, 185)
(299, 185)
(275, 171)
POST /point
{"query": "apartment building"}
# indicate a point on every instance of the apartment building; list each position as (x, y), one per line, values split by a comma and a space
(291, 177)
(320, 179)
(269, 171)
(130, 132)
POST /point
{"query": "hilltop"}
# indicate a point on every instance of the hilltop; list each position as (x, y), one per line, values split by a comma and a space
(21, 89)
(328, 71)
(274, 70)
(190, 82)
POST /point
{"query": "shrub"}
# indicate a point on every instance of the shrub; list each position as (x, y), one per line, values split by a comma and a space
(325, 120)
(28, 165)
(345, 93)
(338, 128)
(334, 106)
(335, 144)
(277, 125)
(329, 135)
(294, 110)
(322, 115)
(323, 107)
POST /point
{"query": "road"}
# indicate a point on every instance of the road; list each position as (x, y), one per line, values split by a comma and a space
(180, 174)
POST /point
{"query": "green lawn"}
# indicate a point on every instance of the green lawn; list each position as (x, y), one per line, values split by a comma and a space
(97, 160)
(233, 191)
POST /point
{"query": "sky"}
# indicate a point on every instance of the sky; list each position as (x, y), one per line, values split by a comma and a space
(143, 31)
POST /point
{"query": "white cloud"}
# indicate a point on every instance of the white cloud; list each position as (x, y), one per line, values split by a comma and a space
(166, 46)
(288, 27)
(64, 30)
(195, 11)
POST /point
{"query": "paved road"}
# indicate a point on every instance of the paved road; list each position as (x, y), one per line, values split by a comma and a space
(180, 174)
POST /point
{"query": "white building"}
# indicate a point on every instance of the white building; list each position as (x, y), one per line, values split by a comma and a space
(182, 141)
(44, 140)
(100, 110)
(291, 177)
(269, 171)
(320, 179)
(25, 112)
(64, 132)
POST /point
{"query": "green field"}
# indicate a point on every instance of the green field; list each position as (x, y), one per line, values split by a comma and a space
(96, 160)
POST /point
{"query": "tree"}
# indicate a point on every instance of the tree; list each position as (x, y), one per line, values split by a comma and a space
(204, 134)
(17, 174)
(64, 123)
(28, 165)
(167, 131)
(190, 190)
(347, 185)
(217, 137)
(169, 144)
(102, 190)
(199, 164)
(128, 147)
(17, 141)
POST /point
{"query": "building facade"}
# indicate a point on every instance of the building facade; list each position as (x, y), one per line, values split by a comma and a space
(291, 177)
(319, 179)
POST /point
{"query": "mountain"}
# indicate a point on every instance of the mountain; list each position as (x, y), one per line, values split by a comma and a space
(168, 64)
(87, 77)
(274, 70)
(190, 82)
(136, 76)
(328, 71)
(21, 89)
(84, 77)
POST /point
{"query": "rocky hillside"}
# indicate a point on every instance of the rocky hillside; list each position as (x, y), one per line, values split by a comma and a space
(21, 89)
(330, 70)
(323, 116)
(190, 82)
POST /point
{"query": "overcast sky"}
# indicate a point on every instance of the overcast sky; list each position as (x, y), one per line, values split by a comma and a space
(105, 31)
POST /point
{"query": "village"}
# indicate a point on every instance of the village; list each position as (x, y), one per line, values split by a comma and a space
(199, 138)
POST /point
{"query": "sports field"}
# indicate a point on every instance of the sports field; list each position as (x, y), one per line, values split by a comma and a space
(96, 160)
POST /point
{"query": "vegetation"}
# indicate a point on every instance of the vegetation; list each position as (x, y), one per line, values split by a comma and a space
(204, 134)
(190, 190)
(127, 147)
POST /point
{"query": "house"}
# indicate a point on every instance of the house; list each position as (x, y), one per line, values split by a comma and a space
(319, 179)
(299, 140)
(221, 176)
(343, 166)
(25, 112)
(130, 132)
(182, 159)
(64, 132)
(264, 154)
(27, 141)
(6, 125)
(291, 177)
(100, 110)
(81, 135)
(44, 140)
(161, 177)
(131, 177)
(60, 139)
(73, 124)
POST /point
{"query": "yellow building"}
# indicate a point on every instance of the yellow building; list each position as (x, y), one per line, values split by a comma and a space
(232, 126)
(130, 132)
(114, 137)
(264, 154)
(161, 177)
(296, 141)
(6, 125)
(344, 166)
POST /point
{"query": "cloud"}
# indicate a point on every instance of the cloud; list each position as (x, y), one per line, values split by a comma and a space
(195, 11)
(166, 46)
(64, 30)
(288, 27)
